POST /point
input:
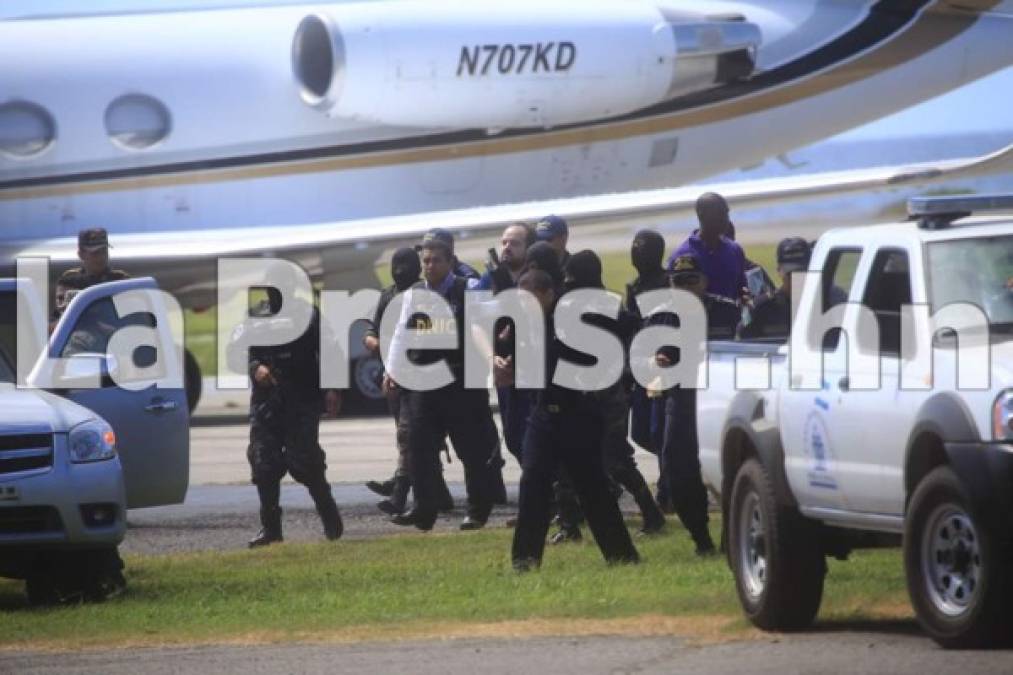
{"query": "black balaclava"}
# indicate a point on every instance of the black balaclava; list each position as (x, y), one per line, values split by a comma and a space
(583, 270)
(405, 267)
(647, 252)
(543, 257)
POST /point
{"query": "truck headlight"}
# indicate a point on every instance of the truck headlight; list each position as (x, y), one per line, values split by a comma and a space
(1002, 416)
(92, 441)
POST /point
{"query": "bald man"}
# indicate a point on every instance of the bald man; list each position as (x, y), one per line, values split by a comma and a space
(722, 260)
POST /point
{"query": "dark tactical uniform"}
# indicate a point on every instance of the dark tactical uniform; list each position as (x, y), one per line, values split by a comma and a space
(566, 428)
(617, 453)
(77, 279)
(111, 581)
(394, 399)
(680, 447)
(401, 485)
(641, 418)
(463, 269)
(284, 424)
(771, 318)
(462, 413)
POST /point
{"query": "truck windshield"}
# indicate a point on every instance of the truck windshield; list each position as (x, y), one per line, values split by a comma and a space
(978, 271)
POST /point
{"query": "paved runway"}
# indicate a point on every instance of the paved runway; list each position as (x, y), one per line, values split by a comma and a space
(358, 449)
(895, 649)
(220, 511)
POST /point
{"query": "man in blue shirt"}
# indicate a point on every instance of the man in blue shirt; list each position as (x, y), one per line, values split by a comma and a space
(462, 413)
(722, 260)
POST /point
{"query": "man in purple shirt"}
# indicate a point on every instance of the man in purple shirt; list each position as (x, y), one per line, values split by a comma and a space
(721, 259)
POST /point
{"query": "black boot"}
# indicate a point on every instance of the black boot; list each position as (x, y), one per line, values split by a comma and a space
(384, 489)
(566, 534)
(654, 519)
(270, 515)
(423, 520)
(477, 517)
(327, 508)
(704, 544)
(270, 531)
(399, 497)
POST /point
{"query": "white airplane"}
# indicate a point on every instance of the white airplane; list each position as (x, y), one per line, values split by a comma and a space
(330, 133)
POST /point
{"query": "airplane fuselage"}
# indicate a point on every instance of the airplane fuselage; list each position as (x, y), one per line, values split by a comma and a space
(194, 120)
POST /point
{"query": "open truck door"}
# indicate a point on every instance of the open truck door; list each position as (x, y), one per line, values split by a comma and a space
(141, 395)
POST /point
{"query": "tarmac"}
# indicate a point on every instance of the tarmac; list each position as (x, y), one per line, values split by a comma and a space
(219, 513)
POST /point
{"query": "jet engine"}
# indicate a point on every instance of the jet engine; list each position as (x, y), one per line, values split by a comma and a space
(489, 66)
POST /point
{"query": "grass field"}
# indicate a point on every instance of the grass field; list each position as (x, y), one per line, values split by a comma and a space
(200, 327)
(428, 586)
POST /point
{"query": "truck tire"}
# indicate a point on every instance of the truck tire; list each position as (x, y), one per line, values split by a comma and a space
(70, 577)
(41, 590)
(774, 553)
(957, 566)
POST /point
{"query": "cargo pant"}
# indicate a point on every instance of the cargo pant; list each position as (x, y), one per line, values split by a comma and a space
(570, 439)
(465, 415)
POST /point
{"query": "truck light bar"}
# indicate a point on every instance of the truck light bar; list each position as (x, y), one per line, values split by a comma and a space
(935, 213)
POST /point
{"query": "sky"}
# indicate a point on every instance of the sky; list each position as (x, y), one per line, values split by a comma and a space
(985, 105)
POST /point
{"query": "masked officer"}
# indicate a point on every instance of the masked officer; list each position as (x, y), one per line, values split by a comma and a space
(405, 269)
(463, 413)
(646, 254)
(565, 428)
(285, 409)
(93, 251)
(584, 270)
(680, 448)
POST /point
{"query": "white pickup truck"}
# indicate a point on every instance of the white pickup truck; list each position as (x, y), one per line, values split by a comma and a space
(74, 459)
(865, 438)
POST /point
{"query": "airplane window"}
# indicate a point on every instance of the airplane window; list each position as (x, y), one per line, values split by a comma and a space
(137, 121)
(26, 129)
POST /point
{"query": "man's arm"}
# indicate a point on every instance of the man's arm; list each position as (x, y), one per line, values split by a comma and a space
(371, 338)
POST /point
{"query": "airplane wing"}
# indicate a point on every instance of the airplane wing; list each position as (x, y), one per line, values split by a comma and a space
(343, 253)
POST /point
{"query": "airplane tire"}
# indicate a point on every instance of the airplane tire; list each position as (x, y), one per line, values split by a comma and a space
(366, 396)
(192, 379)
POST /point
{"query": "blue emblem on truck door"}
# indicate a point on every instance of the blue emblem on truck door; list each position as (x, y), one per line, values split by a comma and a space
(818, 452)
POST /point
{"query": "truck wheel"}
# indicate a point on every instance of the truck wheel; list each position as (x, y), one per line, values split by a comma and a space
(67, 577)
(41, 590)
(778, 565)
(957, 566)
